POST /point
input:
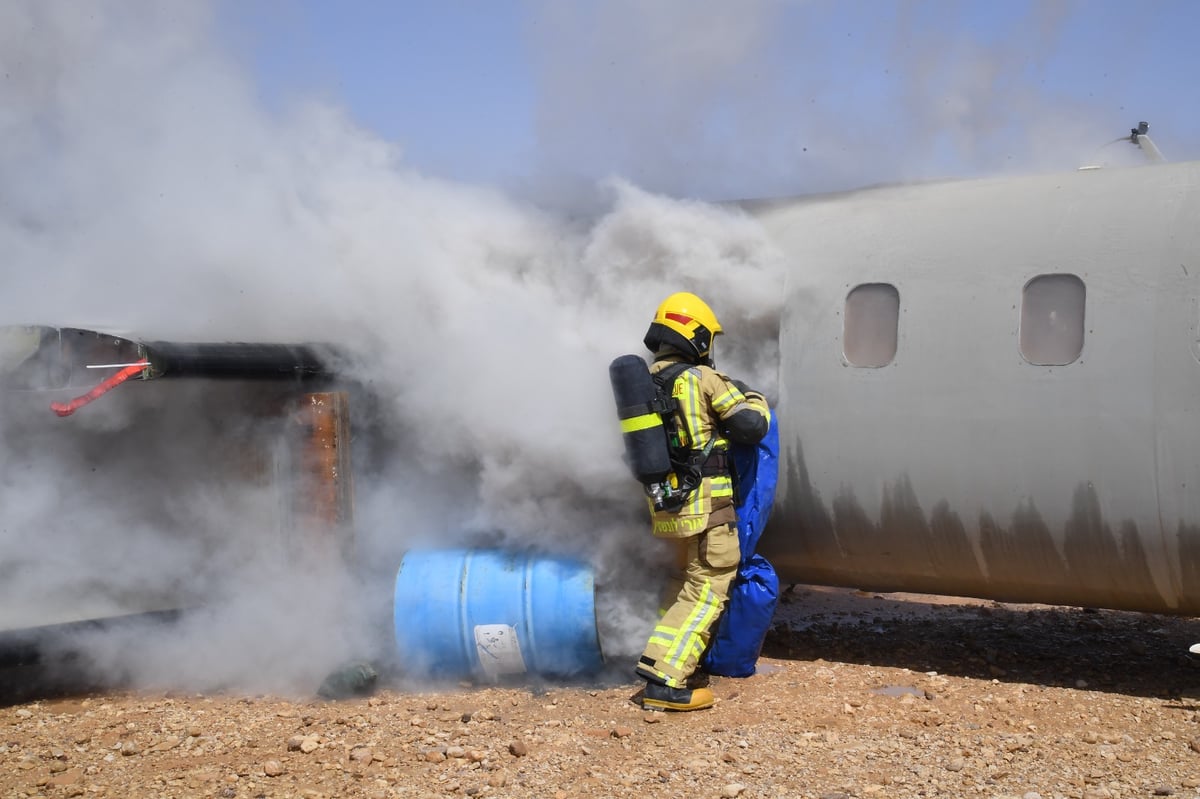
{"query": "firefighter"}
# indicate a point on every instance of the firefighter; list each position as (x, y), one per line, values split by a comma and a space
(711, 411)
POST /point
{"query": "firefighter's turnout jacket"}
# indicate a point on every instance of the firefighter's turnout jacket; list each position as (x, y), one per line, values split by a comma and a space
(712, 408)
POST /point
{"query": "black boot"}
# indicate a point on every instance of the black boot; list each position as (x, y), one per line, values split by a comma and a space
(663, 697)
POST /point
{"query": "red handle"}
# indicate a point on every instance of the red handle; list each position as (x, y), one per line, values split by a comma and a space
(68, 408)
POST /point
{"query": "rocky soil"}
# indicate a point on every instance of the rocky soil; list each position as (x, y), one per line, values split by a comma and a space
(857, 695)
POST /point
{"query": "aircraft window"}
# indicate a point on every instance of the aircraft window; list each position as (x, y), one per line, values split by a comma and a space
(870, 325)
(1052, 319)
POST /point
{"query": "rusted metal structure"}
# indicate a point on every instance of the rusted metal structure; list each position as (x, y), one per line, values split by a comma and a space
(321, 477)
(265, 426)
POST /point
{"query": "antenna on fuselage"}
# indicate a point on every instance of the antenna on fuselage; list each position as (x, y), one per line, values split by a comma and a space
(1138, 137)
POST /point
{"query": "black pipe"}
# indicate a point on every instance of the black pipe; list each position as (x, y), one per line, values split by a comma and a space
(240, 361)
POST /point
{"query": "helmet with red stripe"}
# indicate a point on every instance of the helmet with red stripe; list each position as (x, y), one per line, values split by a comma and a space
(684, 323)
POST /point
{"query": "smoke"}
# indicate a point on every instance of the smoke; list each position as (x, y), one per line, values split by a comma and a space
(767, 98)
(144, 190)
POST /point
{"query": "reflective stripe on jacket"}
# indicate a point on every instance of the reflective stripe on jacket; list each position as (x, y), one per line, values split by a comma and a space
(704, 397)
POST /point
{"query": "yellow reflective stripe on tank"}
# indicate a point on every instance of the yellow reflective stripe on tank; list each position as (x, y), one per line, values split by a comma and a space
(643, 422)
(701, 615)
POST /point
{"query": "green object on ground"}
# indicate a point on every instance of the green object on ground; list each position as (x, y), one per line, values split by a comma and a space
(355, 679)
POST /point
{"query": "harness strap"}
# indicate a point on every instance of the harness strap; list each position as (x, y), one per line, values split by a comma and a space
(717, 463)
(702, 462)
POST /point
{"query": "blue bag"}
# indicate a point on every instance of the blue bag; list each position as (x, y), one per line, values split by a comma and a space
(754, 593)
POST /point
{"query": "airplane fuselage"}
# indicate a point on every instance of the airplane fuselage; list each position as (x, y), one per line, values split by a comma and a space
(991, 388)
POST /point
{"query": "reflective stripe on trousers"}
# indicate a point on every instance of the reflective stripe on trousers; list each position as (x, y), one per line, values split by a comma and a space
(696, 593)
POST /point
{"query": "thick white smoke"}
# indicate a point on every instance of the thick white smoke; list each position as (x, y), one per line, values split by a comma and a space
(143, 189)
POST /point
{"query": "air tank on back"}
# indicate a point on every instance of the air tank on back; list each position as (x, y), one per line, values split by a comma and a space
(634, 392)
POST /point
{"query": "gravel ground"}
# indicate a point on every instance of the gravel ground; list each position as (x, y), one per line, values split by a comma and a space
(857, 695)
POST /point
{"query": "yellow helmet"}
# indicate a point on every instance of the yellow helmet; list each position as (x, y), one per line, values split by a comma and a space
(683, 322)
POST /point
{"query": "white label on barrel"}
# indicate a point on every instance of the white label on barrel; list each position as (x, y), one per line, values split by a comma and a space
(498, 649)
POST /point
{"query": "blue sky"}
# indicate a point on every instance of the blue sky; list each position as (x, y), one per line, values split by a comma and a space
(717, 99)
(449, 81)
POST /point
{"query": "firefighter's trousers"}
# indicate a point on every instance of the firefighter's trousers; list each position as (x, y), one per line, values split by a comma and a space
(694, 598)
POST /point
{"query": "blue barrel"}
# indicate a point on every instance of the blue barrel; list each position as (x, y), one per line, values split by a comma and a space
(491, 613)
